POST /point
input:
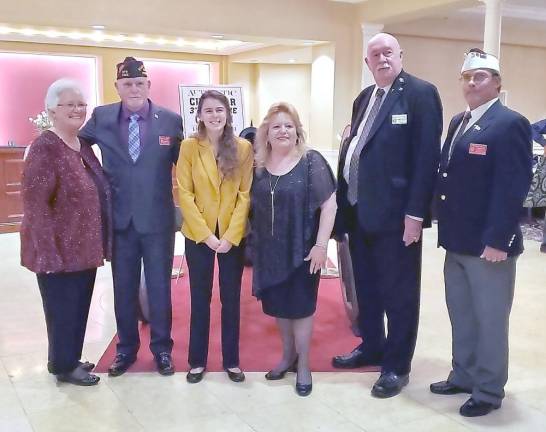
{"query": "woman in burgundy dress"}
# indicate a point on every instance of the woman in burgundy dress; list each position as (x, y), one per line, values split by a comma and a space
(65, 232)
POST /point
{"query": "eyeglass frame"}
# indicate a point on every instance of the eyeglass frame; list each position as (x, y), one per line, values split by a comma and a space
(72, 106)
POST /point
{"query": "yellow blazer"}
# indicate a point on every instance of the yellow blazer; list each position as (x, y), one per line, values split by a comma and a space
(206, 199)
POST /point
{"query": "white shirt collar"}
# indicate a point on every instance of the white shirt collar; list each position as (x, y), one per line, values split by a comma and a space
(478, 112)
(386, 89)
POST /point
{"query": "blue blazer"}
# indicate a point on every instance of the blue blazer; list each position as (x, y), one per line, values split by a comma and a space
(480, 191)
(142, 190)
(399, 162)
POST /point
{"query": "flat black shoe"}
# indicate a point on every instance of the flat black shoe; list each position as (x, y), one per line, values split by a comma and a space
(194, 378)
(446, 388)
(389, 384)
(86, 366)
(121, 363)
(356, 358)
(274, 376)
(164, 363)
(235, 376)
(474, 408)
(86, 381)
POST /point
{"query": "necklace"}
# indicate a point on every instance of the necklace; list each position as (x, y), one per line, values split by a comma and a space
(272, 192)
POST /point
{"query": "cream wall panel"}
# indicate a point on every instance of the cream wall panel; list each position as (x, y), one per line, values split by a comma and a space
(288, 83)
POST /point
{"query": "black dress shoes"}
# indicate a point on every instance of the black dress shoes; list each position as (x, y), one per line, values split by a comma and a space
(195, 377)
(86, 366)
(85, 379)
(274, 376)
(446, 388)
(389, 384)
(121, 363)
(235, 376)
(356, 358)
(474, 408)
(164, 363)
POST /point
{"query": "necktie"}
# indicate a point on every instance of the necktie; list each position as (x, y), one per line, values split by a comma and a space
(134, 137)
(466, 118)
(355, 158)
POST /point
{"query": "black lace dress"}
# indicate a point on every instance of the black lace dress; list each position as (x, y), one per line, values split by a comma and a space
(285, 232)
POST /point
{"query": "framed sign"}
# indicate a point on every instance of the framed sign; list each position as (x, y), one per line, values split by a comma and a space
(189, 99)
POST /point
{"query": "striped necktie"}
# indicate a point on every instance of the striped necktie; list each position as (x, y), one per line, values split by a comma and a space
(352, 192)
(134, 137)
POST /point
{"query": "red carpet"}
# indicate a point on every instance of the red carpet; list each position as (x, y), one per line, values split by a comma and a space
(260, 346)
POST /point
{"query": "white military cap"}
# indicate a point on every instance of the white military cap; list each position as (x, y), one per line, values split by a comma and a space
(480, 60)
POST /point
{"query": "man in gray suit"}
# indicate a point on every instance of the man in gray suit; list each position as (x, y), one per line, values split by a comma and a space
(484, 176)
(140, 142)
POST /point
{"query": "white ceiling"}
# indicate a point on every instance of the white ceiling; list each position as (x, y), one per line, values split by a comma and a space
(523, 23)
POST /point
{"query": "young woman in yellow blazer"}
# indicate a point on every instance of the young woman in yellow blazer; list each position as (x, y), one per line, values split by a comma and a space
(214, 174)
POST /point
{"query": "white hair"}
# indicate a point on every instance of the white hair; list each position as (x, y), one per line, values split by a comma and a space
(54, 91)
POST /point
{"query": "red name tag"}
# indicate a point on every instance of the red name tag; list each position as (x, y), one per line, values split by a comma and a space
(164, 140)
(477, 149)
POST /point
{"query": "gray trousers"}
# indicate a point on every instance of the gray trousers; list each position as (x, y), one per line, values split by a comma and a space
(479, 297)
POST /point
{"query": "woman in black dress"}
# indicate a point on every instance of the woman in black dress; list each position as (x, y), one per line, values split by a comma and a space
(293, 210)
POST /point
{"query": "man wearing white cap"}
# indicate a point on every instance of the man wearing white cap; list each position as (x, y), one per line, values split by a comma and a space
(484, 176)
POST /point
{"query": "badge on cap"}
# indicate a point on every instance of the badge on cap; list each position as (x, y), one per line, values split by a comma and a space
(164, 140)
(477, 149)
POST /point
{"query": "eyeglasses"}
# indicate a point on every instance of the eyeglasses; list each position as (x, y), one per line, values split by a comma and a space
(72, 107)
(477, 77)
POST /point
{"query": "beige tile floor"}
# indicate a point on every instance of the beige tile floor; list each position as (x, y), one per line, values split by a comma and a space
(31, 400)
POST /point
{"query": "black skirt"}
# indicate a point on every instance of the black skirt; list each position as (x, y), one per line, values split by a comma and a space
(295, 297)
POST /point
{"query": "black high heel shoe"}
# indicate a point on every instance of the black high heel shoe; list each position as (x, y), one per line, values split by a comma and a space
(303, 389)
(274, 376)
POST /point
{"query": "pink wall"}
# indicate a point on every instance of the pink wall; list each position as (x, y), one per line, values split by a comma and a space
(24, 79)
(165, 77)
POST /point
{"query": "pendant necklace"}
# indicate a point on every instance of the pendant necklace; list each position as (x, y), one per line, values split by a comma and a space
(272, 192)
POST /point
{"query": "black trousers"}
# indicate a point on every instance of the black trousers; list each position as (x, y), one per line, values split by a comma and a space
(200, 259)
(156, 252)
(387, 281)
(66, 298)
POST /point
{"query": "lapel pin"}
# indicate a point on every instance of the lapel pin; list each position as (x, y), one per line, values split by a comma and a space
(401, 80)
(477, 127)
(400, 89)
(156, 116)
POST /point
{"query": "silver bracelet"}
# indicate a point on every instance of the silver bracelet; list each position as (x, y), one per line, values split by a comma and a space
(323, 246)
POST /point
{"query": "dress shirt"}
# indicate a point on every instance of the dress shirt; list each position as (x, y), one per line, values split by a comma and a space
(476, 114)
(355, 139)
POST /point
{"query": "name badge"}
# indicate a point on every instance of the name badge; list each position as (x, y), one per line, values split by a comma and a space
(164, 140)
(399, 119)
(477, 149)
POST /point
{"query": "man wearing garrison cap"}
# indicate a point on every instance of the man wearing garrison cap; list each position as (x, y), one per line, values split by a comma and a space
(139, 142)
(484, 176)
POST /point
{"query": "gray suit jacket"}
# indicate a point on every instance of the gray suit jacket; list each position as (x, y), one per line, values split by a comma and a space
(142, 190)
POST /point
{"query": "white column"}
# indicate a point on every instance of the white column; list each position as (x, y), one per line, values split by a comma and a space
(492, 31)
(369, 30)
(321, 125)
